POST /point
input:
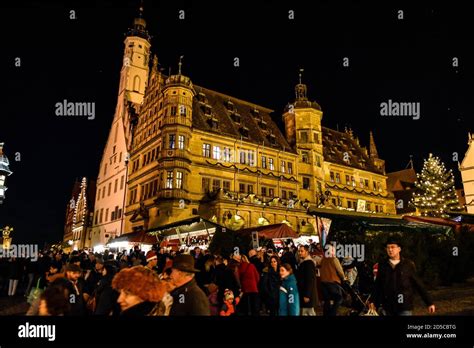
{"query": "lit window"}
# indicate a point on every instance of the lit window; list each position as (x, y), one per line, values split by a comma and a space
(242, 157)
(181, 142)
(331, 176)
(169, 180)
(251, 158)
(216, 153)
(227, 154)
(338, 178)
(290, 168)
(264, 162)
(179, 179)
(270, 164)
(283, 166)
(206, 150)
(305, 157)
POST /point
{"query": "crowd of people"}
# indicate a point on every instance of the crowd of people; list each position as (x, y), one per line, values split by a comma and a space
(295, 281)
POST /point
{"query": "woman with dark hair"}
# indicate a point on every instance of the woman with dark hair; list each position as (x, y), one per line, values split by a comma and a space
(105, 296)
(228, 279)
(54, 301)
(140, 291)
(289, 297)
(270, 285)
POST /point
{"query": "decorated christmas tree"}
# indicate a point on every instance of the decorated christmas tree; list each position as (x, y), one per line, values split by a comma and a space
(435, 193)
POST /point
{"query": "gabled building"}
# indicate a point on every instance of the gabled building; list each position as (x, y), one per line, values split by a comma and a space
(402, 185)
(467, 174)
(108, 221)
(196, 151)
(79, 215)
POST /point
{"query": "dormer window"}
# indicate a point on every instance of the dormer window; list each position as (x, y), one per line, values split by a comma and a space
(235, 117)
(244, 131)
(201, 97)
(272, 139)
(229, 105)
(262, 124)
(255, 112)
(213, 123)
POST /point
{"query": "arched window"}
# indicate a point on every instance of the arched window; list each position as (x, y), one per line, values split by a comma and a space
(136, 83)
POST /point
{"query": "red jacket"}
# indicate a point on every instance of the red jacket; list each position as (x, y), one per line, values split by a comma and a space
(249, 277)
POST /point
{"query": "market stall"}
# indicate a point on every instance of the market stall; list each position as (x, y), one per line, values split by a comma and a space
(128, 241)
(185, 234)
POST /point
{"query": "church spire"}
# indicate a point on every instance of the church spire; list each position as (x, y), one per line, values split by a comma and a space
(139, 25)
(373, 148)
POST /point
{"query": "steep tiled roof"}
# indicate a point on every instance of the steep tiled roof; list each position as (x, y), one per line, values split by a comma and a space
(236, 118)
(335, 144)
(397, 181)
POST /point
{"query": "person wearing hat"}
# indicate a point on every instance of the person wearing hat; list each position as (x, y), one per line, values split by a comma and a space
(140, 291)
(151, 260)
(397, 282)
(188, 298)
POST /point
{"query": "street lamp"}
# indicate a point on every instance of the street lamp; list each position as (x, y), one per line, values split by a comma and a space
(4, 172)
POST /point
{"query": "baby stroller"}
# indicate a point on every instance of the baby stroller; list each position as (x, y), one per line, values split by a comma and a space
(357, 295)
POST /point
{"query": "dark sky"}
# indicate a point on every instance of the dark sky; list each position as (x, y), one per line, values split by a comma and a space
(407, 60)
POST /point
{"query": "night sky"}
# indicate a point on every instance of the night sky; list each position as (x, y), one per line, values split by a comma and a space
(407, 60)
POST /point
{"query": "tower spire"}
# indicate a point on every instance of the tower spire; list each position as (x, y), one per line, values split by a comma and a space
(373, 148)
(301, 89)
(139, 25)
(180, 64)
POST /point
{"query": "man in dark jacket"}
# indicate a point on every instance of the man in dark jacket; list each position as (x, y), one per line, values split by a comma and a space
(188, 298)
(306, 279)
(396, 283)
(75, 288)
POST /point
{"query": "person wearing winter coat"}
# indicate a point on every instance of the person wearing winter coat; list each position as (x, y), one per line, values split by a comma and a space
(332, 276)
(188, 297)
(397, 278)
(249, 280)
(105, 296)
(289, 301)
(227, 279)
(140, 291)
(270, 285)
(306, 277)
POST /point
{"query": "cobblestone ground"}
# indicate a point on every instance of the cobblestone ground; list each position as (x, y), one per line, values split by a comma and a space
(453, 300)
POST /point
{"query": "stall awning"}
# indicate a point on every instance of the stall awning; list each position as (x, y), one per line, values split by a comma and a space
(457, 226)
(271, 231)
(191, 225)
(135, 237)
(368, 221)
